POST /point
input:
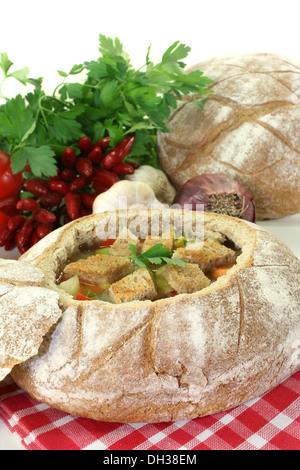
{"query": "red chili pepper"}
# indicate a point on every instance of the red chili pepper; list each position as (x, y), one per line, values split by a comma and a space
(135, 165)
(68, 174)
(88, 199)
(3, 220)
(95, 155)
(27, 167)
(67, 220)
(8, 206)
(107, 178)
(84, 166)
(79, 183)
(99, 187)
(23, 236)
(57, 177)
(107, 243)
(27, 204)
(73, 205)
(85, 144)
(82, 297)
(44, 217)
(117, 154)
(43, 230)
(34, 239)
(23, 249)
(69, 157)
(36, 186)
(84, 212)
(60, 187)
(102, 143)
(50, 200)
(10, 244)
(123, 169)
(15, 222)
(6, 235)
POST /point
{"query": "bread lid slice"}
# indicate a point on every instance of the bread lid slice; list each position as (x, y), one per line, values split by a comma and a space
(27, 312)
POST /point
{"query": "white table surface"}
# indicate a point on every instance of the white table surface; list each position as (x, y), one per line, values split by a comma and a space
(287, 229)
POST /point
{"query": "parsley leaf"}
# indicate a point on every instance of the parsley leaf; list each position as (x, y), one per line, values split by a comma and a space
(20, 75)
(41, 160)
(175, 52)
(16, 119)
(65, 127)
(157, 254)
(5, 63)
(112, 98)
(112, 48)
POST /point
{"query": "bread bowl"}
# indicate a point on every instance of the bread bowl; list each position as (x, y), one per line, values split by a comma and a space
(173, 358)
(248, 130)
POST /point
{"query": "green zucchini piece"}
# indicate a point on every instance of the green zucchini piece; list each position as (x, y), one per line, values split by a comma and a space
(103, 251)
(163, 287)
(71, 286)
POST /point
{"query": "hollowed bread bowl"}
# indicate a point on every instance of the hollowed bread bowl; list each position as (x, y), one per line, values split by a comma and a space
(171, 359)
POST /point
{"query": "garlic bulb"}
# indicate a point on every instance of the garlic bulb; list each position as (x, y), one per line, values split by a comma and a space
(157, 180)
(125, 195)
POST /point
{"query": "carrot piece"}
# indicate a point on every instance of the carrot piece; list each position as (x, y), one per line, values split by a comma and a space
(172, 294)
(220, 271)
(82, 297)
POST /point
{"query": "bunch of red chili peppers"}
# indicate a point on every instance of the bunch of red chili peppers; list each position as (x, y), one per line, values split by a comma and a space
(51, 203)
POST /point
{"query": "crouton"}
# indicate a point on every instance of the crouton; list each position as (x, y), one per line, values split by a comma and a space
(184, 280)
(167, 239)
(208, 255)
(121, 246)
(136, 286)
(99, 269)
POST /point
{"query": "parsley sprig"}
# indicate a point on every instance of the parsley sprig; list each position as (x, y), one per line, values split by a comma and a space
(157, 254)
(109, 98)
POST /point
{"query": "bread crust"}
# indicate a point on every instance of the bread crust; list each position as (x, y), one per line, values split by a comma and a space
(248, 130)
(172, 359)
(27, 312)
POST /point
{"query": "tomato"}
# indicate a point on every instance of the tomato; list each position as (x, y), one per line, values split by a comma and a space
(3, 220)
(107, 243)
(10, 184)
(82, 297)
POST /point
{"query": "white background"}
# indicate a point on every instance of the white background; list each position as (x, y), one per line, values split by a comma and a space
(52, 35)
(46, 36)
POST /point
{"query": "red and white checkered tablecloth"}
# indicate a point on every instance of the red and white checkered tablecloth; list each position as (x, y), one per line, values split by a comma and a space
(271, 422)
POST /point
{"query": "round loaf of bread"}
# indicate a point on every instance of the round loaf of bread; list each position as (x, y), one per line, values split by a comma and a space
(175, 358)
(248, 130)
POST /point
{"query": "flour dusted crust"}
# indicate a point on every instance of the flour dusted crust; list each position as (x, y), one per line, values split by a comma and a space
(175, 358)
(248, 130)
(27, 311)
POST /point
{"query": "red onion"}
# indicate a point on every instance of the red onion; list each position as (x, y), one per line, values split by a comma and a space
(219, 194)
